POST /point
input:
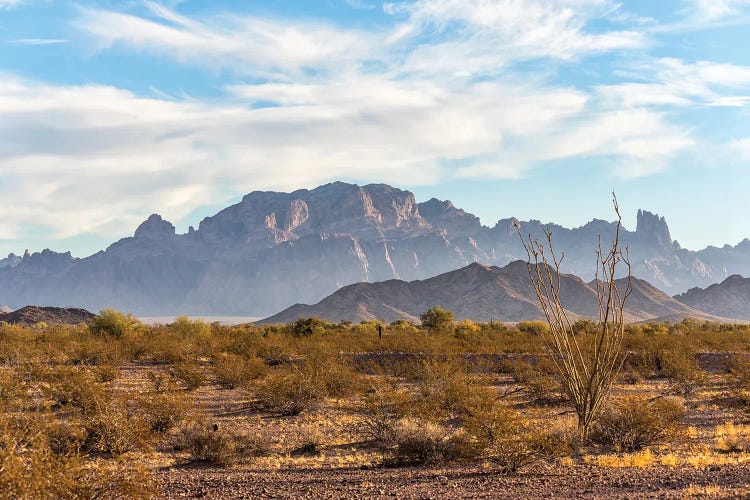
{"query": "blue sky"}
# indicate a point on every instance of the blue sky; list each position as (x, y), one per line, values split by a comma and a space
(112, 110)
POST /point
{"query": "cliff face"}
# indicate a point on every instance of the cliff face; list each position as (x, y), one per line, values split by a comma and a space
(276, 249)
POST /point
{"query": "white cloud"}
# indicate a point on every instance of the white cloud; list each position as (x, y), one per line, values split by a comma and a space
(712, 10)
(6, 4)
(434, 98)
(246, 45)
(515, 29)
(675, 82)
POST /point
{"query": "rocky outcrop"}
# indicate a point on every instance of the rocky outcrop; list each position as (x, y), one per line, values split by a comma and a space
(479, 293)
(274, 249)
(12, 260)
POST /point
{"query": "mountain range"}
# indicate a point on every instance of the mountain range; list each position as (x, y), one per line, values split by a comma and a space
(272, 250)
(483, 293)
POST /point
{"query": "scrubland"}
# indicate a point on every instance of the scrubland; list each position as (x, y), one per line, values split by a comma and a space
(117, 409)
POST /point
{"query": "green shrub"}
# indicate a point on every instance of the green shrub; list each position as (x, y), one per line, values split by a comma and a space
(437, 319)
(114, 324)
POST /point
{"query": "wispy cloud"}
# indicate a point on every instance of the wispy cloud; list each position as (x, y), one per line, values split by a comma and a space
(37, 41)
(6, 4)
(674, 82)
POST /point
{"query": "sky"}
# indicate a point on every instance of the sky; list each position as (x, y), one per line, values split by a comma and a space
(113, 110)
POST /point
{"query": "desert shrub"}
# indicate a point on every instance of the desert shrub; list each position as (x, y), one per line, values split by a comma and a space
(186, 328)
(233, 371)
(288, 392)
(309, 441)
(190, 374)
(114, 324)
(30, 469)
(511, 441)
(12, 389)
(162, 411)
(256, 443)
(537, 328)
(92, 351)
(205, 442)
(732, 438)
(330, 374)
(66, 438)
(114, 426)
(107, 372)
(304, 327)
(466, 330)
(681, 368)
(445, 390)
(437, 319)
(381, 408)
(419, 442)
(159, 345)
(738, 367)
(541, 380)
(635, 422)
(71, 386)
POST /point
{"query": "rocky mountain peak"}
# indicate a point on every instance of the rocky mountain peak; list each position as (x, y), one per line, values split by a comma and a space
(653, 228)
(155, 228)
(443, 215)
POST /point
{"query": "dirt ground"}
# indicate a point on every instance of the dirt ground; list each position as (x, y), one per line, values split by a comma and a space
(347, 466)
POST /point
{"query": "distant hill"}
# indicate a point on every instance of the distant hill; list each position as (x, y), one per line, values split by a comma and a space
(730, 298)
(31, 315)
(5, 309)
(479, 293)
(275, 249)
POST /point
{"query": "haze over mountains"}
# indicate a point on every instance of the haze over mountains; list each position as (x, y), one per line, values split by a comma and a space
(481, 293)
(272, 250)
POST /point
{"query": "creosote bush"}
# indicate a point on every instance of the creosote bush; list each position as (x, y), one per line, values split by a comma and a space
(681, 369)
(233, 371)
(419, 442)
(384, 405)
(206, 442)
(636, 422)
(511, 441)
(288, 392)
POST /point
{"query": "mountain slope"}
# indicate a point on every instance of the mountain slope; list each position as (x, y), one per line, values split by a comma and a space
(273, 249)
(730, 298)
(479, 293)
(31, 315)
